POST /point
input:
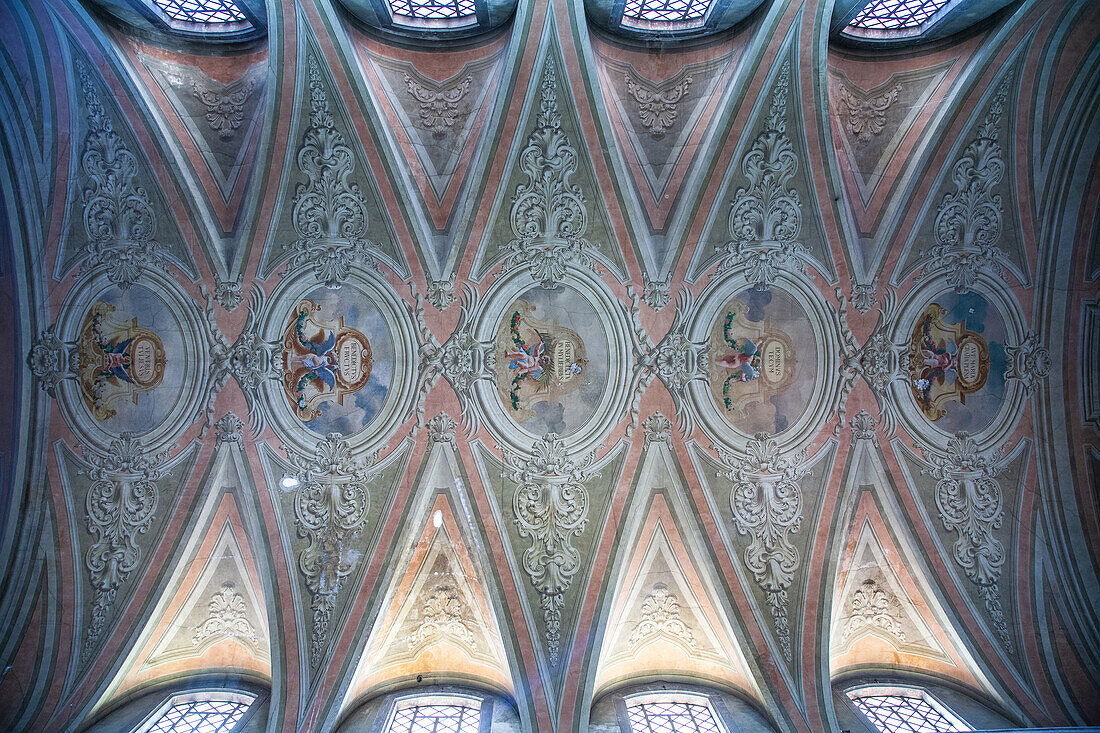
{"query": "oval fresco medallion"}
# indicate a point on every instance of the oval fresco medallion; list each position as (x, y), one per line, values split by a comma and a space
(337, 360)
(130, 356)
(956, 362)
(763, 361)
(551, 360)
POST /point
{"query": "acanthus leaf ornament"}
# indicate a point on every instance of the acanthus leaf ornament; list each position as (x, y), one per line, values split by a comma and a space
(330, 214)
(226, 618)
(548, 216)
(863, 427)
(658, 429)
(970, 504)
(462, 360)
(119, 508)
(766, 500)
(766, 215)
(551, 510)
(443, 614)
(119, 220)
(441, 429)
(969, 219)
(872, 607)
(676, 360)
(250, 360)
(866, 113)
(330, 510)
(229, 429)
(1029, 362)
(49, 360)
(657, 103)
(224, 107)
(441, 293)
(228, 292)
(864, 296)
(656, 292)
(661, 617)
(438, 107)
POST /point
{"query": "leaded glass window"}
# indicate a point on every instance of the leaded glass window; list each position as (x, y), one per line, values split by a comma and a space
(199, 713)
(892, 15)
(425, 12)
(665, 14)
(672, 716)
(442, 716)
(203, 12)
(906, 712)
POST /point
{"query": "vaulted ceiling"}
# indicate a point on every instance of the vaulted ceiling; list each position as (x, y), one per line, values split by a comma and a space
(549, 360)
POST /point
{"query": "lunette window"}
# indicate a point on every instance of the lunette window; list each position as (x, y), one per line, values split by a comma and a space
(198, 713)
(906, 712)
(209, 13)
(442, 716)
(677, 714)
(895, 15)
(665, 14)
(429, 12)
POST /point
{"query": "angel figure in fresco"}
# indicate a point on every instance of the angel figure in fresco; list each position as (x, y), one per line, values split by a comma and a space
(321, 359)
(529, 361)
(939, 359)
(743, 360)
(546, 359)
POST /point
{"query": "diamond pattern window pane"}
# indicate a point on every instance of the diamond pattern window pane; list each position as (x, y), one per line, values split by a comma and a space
(200, 716)
(435, 719)
(671, 717)
(904, 714)
(433, 9)
(691, 12)
(896, 14)
(207, 12)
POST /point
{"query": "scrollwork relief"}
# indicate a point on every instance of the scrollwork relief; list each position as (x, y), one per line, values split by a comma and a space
(970, 504)
(766, 216)
(330, 510)
(330, 214)
(438, 107)
(661, 617)
(119, 508)
(767, 508)
(119, 220)
(226, 618)
(548, 216)
(1029, 362)
(969, 219)
(657, 103)
(224, 107)
(872, 607)
(444, 614)
(551, 510)
(866, 113)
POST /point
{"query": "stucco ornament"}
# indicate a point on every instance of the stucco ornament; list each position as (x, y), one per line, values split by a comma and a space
(228, 292)
(863, 427)
(438, 107)
(657, 102)
(656, 292)
(661, 617)
(1029, 362)
(873, 608)
(226, 618)
(462, 360)
(766, 216)
(676, 360)
(329, 214)
(118, 509)
(250, 360)
(658, 429)
(866, 113)
(441, 429)
(119, 220)
(444, 614)
(548, 216)
(970, 503)
(864, 296)
(551, 510)
(229, 429)
(224, 107)
(767, 507)
(441, 293)
(969, 219)
(330, 510)
(48, 360)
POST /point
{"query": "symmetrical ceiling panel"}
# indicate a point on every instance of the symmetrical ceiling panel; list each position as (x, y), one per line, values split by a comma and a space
(542, 363)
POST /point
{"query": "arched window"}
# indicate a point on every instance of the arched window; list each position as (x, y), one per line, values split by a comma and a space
(905, 710)
(665, 15)
(436, 714)
(210, 12)
(213, 711)
(671, 713)
(434, 13)
(895, 15)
